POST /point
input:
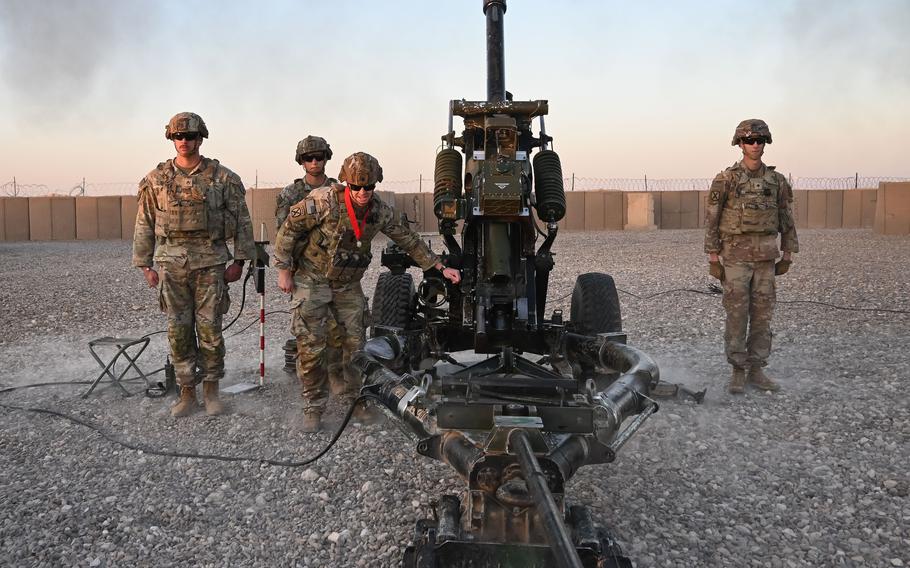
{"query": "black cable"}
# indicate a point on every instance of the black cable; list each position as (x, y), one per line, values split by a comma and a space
(256, 321)
(175, 454)
(249, 274)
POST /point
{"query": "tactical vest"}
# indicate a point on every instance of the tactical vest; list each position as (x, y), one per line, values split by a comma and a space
(332, 250)
(752, 206)
(192, 206)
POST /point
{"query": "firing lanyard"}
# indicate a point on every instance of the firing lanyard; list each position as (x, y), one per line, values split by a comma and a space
(358, 226)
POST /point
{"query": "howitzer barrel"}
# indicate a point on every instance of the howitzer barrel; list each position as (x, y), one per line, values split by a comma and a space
(496, 66)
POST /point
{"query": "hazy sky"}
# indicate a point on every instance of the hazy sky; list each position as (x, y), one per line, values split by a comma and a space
(635, 88)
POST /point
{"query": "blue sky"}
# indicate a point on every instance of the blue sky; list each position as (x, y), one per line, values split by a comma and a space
(635, 88)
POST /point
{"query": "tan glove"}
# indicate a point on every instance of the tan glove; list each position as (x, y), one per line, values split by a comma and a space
(716, 269)
(782, 266)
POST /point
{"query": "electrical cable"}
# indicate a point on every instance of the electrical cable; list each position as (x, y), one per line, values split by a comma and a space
(170, 453)
(255, 321)
(715, 290)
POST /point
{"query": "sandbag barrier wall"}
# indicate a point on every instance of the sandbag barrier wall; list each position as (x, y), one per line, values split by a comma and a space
(886, 210)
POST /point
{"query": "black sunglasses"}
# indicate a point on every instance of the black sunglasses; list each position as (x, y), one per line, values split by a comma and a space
(185, 136)
(750, 141)
(313, 157)
(370, 187)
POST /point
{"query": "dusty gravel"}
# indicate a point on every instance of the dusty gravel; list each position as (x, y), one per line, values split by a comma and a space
(815, 475)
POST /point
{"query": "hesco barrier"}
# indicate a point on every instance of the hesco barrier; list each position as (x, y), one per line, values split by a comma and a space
(886, 210)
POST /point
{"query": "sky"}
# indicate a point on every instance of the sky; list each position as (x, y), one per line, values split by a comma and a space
(649, 88)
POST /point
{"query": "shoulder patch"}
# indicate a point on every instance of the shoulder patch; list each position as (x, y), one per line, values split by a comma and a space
(295, 212)
(310, 205)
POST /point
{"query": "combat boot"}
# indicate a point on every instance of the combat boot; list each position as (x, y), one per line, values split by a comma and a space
(213, 406)
(187, 403)
(311, 420)
(758, 379)
(737, 381)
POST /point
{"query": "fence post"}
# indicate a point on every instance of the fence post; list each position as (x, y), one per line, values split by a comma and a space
(15, 189)
(420, 183)
(856, 181)
(573, 181)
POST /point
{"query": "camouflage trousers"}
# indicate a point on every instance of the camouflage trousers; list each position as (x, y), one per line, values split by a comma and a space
(315, 304)
(749, 298)
(195, 302)
(333, 354)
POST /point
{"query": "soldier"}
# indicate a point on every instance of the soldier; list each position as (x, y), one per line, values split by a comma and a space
(312, 153)
(748, 205)
(335, 225)
(189, 207)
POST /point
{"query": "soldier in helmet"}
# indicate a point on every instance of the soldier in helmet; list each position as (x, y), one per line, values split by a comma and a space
(312, 153)
(748, 206)
(189, 208)
(335, 225)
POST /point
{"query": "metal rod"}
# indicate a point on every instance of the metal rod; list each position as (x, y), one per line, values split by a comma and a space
(554, 526)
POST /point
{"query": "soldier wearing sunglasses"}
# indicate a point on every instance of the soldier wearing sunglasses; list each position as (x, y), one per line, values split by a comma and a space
(189, 208)
(748, 206)
(334, 227)
(312, 154)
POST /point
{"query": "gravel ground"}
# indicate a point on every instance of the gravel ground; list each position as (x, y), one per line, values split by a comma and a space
(815, 475)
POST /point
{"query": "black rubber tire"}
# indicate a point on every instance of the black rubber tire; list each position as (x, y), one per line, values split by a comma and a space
(595, 304)
(393, 300)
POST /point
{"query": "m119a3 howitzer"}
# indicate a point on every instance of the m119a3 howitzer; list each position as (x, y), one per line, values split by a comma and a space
(545, 396)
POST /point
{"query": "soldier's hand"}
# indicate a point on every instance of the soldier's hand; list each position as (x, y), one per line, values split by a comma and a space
(452, 274)
(233, 272)
(285, 280)
(716, 269)
(782, 266)
(151, 277)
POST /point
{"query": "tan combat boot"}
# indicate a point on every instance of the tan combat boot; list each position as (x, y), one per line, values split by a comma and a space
(737, 381)
(758, 379)
(213, 406)
(312, 418)
(187, 403)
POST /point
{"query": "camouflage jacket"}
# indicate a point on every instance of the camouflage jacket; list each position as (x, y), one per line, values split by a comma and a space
(187, 218)
(292, 194)
(745, 212)
(318, 232)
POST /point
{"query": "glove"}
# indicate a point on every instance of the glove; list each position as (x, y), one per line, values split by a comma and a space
(782, 266)
(716, 269)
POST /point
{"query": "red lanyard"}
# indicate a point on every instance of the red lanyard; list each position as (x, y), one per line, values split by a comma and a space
(358, 226)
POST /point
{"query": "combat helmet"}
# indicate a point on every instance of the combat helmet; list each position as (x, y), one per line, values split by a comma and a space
(751, 127)
(185, 122)
(312, 144)
(360, 169)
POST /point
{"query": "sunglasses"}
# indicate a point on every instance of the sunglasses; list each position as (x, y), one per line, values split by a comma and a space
(313, 157)
(370, 187)
(185, 136)
(750, 141)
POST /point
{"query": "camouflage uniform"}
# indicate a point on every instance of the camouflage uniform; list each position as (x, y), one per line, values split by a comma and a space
(330, 264)
(183, 223)
(294, 193)
(745, 212)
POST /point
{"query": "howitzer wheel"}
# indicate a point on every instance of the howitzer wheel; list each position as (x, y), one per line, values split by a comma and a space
(595, 304)
(393, 301)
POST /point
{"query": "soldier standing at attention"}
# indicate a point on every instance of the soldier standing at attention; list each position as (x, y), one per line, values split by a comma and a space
(748, 205)
(312, 153)
(335, 225)
(189, 207)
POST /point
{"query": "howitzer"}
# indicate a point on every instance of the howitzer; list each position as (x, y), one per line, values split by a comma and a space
(529, 399)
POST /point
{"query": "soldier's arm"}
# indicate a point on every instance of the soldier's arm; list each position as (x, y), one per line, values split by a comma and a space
(282, 206)
(411, 243)
(717, 196)
(144, 230)
(301, 219)
(787, 222)
(244, 245)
